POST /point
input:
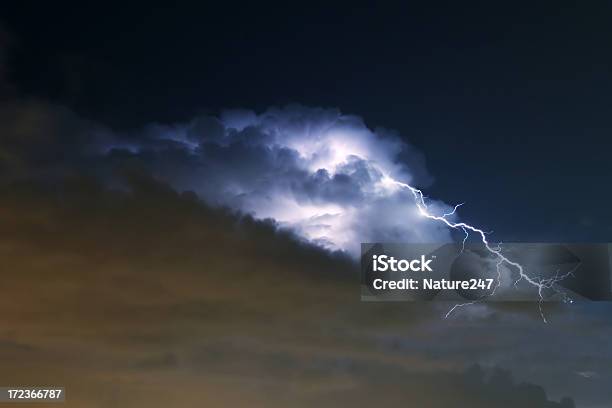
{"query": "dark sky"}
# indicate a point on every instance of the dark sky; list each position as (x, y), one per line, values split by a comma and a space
(510, 103)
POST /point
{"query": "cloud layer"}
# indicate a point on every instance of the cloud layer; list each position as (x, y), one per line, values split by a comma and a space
(149, 298)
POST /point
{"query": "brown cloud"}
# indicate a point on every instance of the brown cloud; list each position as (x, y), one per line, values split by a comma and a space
(149, 298)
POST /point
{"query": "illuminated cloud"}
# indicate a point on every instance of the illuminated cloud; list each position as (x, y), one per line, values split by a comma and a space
(316, 171)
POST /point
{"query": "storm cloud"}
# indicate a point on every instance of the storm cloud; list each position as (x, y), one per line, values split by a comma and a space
(318, 172)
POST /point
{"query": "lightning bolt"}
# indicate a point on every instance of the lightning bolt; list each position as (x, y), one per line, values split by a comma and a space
(540, 283)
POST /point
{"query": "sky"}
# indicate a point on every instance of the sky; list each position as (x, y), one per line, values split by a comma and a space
(183, 191)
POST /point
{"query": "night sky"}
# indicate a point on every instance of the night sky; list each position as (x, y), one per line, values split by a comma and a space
(504, 107)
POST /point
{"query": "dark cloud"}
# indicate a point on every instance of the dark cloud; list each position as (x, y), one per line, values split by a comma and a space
(115, 291)
(43, 141)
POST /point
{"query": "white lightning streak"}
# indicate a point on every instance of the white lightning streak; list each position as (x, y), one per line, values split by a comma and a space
(540, 284)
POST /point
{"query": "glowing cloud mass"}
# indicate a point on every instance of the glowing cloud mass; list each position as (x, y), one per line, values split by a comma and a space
(325, 175)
